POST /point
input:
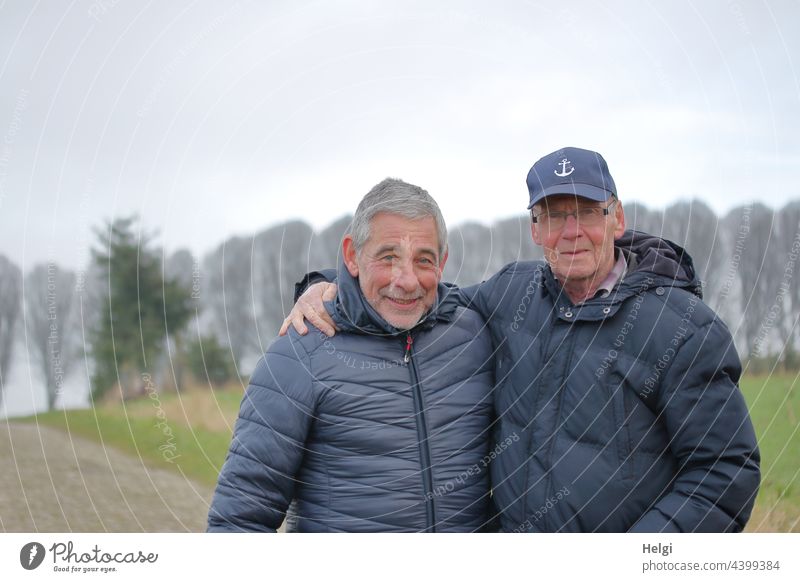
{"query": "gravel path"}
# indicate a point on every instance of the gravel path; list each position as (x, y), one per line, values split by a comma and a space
(51, 481)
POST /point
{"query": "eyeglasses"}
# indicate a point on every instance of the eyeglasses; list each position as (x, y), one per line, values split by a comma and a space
(586, 216)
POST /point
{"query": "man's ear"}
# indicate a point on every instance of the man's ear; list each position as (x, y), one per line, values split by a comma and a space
(619, 214)
(442, 262)
(536, 233)
(349, 255)
(536, 229)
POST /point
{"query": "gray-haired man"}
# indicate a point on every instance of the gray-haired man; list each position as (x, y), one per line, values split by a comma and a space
(379, 428)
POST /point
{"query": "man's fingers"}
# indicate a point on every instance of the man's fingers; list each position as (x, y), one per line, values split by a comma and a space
(330, 293)
(295, 318)
(322, 321)
(328, 327)
(297, 323)
(310, 307)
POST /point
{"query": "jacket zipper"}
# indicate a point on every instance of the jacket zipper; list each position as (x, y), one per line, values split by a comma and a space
(549, 492)
(422, 436)
(550, 326)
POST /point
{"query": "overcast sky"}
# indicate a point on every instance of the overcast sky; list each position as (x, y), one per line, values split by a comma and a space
(212, 118)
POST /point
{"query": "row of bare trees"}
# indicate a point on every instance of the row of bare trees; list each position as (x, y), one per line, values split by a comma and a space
(746, 260)
(239, 293)
(41, 306)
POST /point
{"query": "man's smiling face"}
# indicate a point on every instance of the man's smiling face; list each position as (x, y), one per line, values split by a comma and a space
(398, 268)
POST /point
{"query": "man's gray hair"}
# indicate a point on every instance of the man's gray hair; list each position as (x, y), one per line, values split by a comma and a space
(396, 197)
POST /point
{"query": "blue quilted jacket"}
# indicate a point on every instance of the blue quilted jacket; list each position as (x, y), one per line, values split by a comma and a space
(375, 429)
(624, 411)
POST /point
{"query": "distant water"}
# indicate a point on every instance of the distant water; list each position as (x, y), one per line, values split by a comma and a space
(24, 392)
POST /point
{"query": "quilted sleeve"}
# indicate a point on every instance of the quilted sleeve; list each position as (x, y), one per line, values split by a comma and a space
(257, 481)
(711, 437)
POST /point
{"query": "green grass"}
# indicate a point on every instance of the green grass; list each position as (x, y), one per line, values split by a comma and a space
(157, 432)
(201, 421)
(774, 403)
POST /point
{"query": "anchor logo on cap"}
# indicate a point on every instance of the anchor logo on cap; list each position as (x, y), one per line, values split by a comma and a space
(564, 172)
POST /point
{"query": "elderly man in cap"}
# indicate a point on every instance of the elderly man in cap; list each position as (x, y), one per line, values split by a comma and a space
(619, 382)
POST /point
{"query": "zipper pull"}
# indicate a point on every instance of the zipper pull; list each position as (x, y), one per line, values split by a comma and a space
(409, 341)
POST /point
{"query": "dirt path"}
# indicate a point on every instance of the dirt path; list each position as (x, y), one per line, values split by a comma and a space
(51, 481)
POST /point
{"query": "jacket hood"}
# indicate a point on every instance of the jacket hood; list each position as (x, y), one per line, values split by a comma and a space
(352, 312)
(668, 263)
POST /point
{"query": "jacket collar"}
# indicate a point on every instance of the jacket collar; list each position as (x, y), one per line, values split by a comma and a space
(352, 312)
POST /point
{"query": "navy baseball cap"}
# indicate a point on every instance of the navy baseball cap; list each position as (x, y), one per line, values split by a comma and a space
(571, 171)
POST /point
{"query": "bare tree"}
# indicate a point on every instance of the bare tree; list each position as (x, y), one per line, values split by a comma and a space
(249, 285)
(280, 258)
(789, 244)
(739, 258)
(756, 256)
(48, 316)
(88, 310)
(227, 296)
(327, 245)
(695, 227)
(10, 297)
(470, 250)
(512, 242)
(477, 252)
(639, 217)
(182, 267)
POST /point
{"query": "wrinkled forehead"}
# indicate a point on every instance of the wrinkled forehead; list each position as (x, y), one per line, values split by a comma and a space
(390, 231)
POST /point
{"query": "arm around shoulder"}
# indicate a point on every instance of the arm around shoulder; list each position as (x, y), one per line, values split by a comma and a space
(488, 296)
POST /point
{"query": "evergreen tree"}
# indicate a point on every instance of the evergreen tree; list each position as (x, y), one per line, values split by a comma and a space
(140, 308)
(209, 361)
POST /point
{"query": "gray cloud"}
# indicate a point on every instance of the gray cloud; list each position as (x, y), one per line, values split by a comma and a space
(210, 119)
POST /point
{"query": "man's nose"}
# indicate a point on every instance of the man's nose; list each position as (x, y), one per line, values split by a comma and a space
(571, 227)
(403, 276)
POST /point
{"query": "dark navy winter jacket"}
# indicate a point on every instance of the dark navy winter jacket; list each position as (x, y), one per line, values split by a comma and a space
(357, 437)
(622, 413)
